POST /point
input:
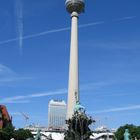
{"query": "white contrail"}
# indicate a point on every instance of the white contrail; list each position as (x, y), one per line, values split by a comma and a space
(26, 98)
(57, 30)
(19, 21)
(22, 99)
(91, 24)
(8, 41)
(50, 32)
(46, 32)
(118, 109)
(125, 18)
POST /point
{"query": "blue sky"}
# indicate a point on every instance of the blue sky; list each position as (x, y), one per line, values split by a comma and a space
(34, 59)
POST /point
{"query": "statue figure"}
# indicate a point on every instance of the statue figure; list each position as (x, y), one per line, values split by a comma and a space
(126, 135)
(79, 108)
(38, 136)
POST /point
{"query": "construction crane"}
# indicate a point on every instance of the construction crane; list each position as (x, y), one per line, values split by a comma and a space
(25, 117)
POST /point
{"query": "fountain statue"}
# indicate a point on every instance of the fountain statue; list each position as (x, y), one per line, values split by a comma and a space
(78, 125)
(126, 135)
(79, 108)
(38, 136)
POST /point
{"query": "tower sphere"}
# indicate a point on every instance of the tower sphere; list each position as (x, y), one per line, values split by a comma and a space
(75, 6)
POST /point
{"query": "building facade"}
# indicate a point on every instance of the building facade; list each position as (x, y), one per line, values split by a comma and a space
(57, 114)
(5, 119)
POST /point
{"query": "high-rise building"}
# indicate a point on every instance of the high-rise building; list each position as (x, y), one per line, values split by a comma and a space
(57, 114)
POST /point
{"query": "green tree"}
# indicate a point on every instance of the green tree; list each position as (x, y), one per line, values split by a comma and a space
(8, 131)
(138, 132)
(22, 134)
(133, 130)
(4, 135)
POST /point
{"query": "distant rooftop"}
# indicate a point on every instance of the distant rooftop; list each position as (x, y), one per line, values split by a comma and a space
(57, 102)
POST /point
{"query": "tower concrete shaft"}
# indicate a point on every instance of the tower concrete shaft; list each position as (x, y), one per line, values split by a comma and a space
(73, 87)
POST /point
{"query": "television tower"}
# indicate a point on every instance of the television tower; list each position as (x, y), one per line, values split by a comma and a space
(74, 7)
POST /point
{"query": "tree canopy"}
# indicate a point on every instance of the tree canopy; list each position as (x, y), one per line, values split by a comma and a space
(9, 132)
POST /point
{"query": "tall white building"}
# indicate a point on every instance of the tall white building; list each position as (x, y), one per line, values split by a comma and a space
(57, 114)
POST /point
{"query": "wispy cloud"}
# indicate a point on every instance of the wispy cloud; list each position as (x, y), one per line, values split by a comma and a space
(118, 109)
(25, 99)
(8, 75)
(14, 101)
(5, 70)
(124, 45)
